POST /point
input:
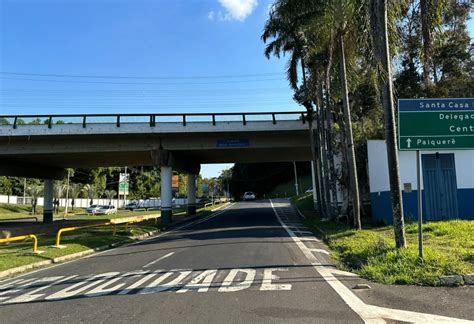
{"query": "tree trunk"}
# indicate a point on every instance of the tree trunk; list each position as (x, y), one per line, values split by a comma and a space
(329, 123)
(427, 40)
(315, 165)
(350, 141)
(324, 151)
(383, 54)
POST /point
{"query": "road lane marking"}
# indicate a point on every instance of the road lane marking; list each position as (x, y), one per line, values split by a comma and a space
(76, 289)
(157, 260)
(33, 295)
(228, 284)
(156, 285)
(320, 251)
(201, 283)
(368, 313)
(148, 282)
(268, 276)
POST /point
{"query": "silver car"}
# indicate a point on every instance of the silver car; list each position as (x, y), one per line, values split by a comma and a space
(92, 209)
(106, 210)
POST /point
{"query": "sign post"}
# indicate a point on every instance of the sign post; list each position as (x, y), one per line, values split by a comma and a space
(434, 124)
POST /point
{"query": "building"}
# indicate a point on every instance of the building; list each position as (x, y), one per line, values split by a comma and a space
(447, 183)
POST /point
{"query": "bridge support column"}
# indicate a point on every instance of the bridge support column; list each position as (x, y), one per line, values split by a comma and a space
(166, 195)
(191, 193)
(48, 201)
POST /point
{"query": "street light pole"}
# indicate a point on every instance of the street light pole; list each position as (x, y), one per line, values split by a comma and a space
(296, 179)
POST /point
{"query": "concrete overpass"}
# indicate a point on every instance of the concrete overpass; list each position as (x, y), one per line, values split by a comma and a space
(181, 141)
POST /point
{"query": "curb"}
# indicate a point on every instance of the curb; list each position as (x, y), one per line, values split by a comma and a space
(25, 268)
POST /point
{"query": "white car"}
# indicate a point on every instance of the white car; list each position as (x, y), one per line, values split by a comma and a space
(105, 209)
(249, 195)
(92, 209)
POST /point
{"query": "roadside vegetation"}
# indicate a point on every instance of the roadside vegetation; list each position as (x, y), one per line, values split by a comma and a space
(371, 252)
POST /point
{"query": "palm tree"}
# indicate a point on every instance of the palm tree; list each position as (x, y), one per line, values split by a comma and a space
(58, 190)
(286, 37)
(110, 194)
(380, 33)
(90, 191)
(74, 191)
(321, 20)
(34, 191)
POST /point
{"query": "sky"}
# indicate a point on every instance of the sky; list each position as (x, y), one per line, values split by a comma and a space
(138, 56)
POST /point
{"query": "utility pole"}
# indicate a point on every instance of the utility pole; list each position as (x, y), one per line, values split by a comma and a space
(296, 179)
(125, 191)
(67, 194)
(24, 191)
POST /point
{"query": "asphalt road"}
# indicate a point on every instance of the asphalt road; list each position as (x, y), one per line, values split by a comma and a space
(253, 262)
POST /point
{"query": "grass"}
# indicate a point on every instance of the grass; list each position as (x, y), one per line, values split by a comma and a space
(287, 189)
(371, 252)
(20, 253)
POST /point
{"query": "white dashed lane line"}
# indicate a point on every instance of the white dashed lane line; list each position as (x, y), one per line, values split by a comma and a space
(157, 260)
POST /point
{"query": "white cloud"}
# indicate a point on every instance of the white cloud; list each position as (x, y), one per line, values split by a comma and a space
(234, 10)
(211, 15)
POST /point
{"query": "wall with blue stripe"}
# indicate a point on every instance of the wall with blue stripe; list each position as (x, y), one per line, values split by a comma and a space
(382, 206)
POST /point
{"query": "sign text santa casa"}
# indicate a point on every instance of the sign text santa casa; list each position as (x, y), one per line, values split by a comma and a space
(436, 124)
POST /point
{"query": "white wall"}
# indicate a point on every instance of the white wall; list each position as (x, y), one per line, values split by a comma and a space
(378, 167)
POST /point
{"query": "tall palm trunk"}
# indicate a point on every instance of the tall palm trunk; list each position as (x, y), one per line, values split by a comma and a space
(383, 55)
(425, 14)
(316, 163)
(324, 151)
(329, 123)
(350, 140)
(314, 147)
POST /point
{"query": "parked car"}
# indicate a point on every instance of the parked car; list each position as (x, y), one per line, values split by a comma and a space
(106, 210)
(92, 209)
(132, 206)
(249, 195)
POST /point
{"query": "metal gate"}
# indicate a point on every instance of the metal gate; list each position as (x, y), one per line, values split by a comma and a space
(440, 187)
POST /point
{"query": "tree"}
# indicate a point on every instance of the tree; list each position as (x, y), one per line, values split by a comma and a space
(110, 194)
(58, 190)
(90, 191)
(383, 56)
(74, 191)
(34, 191)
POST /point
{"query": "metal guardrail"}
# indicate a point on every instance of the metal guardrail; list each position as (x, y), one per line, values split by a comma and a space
(22, 238)
(19, 218)
(152, 119)
(113, 223)
(75, 228)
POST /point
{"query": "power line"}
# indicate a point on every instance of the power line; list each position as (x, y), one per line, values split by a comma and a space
(234, 76)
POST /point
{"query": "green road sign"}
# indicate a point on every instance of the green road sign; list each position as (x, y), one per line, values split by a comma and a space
(123, 183)
(436, 124)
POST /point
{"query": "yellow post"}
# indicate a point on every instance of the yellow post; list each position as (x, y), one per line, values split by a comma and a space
(21, 238)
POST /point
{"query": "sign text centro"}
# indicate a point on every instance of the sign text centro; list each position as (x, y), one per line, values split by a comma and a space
(436, 124)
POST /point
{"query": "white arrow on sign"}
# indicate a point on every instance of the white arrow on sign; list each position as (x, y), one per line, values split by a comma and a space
(408, 142)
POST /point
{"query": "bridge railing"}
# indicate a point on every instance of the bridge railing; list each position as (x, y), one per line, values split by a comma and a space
(153, 119)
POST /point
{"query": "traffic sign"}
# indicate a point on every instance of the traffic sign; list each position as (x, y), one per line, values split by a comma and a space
(123, 183)
(436, 124)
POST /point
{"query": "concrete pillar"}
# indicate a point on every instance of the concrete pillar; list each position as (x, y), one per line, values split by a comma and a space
(48, 201)
(191, 194)
(313, 178)
(166, 195)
